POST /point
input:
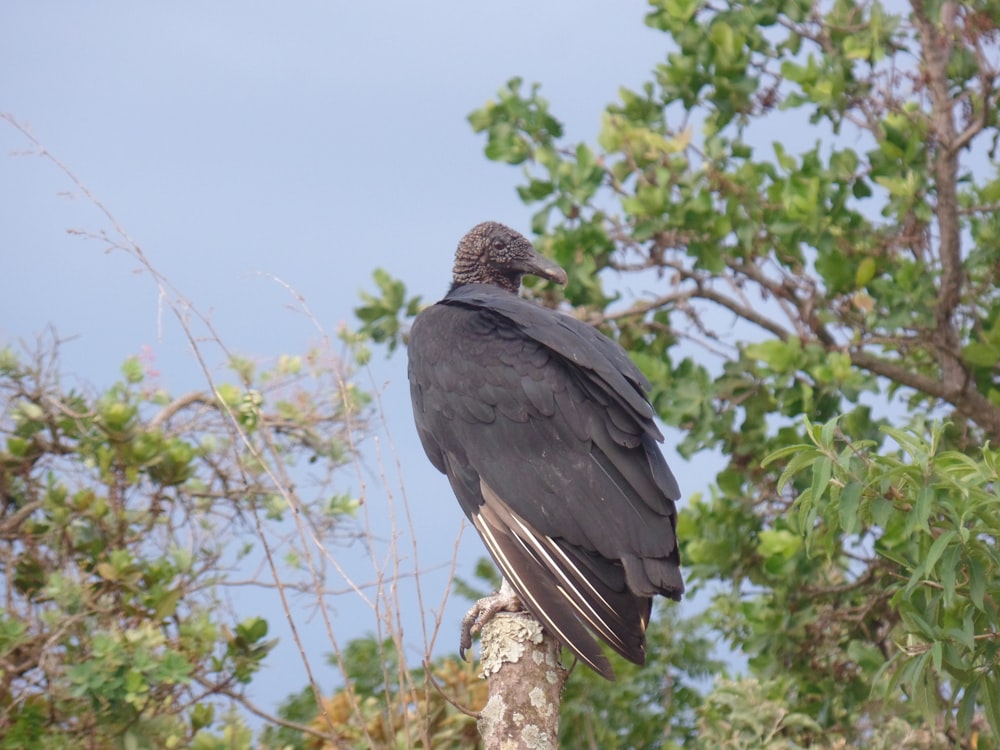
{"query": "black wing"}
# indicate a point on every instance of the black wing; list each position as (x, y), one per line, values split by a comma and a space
(543, 429)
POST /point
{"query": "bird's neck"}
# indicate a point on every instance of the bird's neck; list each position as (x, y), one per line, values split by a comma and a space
(508, 284)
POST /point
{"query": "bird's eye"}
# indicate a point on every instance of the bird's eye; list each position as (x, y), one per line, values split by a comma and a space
(499, 244)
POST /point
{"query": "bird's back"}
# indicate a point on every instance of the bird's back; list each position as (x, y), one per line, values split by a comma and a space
(543, 429)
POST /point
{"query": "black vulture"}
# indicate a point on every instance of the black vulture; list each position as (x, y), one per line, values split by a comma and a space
(542, 425)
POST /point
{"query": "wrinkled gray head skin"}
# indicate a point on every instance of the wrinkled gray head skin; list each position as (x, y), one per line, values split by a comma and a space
(492, 253)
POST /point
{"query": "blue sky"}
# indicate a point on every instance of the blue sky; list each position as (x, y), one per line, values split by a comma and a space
(314, 141)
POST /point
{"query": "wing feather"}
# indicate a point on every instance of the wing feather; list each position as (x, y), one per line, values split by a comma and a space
(559, 590)
(544, 431)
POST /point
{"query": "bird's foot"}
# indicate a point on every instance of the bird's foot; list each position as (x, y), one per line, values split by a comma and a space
(504, 600)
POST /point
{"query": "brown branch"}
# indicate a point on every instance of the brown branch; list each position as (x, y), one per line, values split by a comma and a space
(179, 403)
(700, 289)
(10, 528)
(784, 292)
(268, 717)
(640, 309)
(429, 671)
(747, 313)
(987, 83)
(844, 588)
(521, 664)
(978, 125)
(937, 41)
(899, 374)
(965, 398)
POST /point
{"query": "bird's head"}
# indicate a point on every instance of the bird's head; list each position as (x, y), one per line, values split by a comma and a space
(492, 253)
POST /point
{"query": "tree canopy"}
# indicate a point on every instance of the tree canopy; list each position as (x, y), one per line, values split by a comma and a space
(127, 514)
(810, 194)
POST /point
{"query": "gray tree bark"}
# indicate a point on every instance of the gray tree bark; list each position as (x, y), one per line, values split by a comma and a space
(521, 665)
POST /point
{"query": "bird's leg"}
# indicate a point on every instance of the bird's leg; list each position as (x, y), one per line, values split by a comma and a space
(504, 600)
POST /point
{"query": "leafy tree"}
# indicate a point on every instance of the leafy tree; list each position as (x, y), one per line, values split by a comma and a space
(810, 192)
(376, 707)
(125, 512)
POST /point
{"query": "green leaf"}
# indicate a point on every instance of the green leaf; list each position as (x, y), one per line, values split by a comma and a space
(778, 543)
(133, 370)
(921, 511)
(822, 470)
(252, 629)
(786, 162)
(780, 355)
(936, 652)
(978, 353)
(166, 605)
(850, 499)
(977, 582)
(948, 572)
(930, 560)
(865, 272)
(681, 10)
(804, 456)
(991, 687)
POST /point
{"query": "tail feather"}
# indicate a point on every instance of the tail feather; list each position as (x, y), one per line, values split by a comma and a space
(561, 587)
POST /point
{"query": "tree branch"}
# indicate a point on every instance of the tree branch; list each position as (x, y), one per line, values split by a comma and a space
(521, 664)
(969, 402)
(179, 403)
(10, 529)
(937, 40)
(268, 717)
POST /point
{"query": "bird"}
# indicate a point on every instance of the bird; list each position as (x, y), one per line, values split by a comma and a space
(544, 429)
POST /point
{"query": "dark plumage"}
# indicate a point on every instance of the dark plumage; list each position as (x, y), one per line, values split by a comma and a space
(542, 425)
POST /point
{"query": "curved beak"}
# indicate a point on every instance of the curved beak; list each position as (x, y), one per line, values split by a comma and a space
(538, 265)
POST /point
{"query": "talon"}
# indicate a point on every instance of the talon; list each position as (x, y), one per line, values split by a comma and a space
(482, 611)
(468, 622)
